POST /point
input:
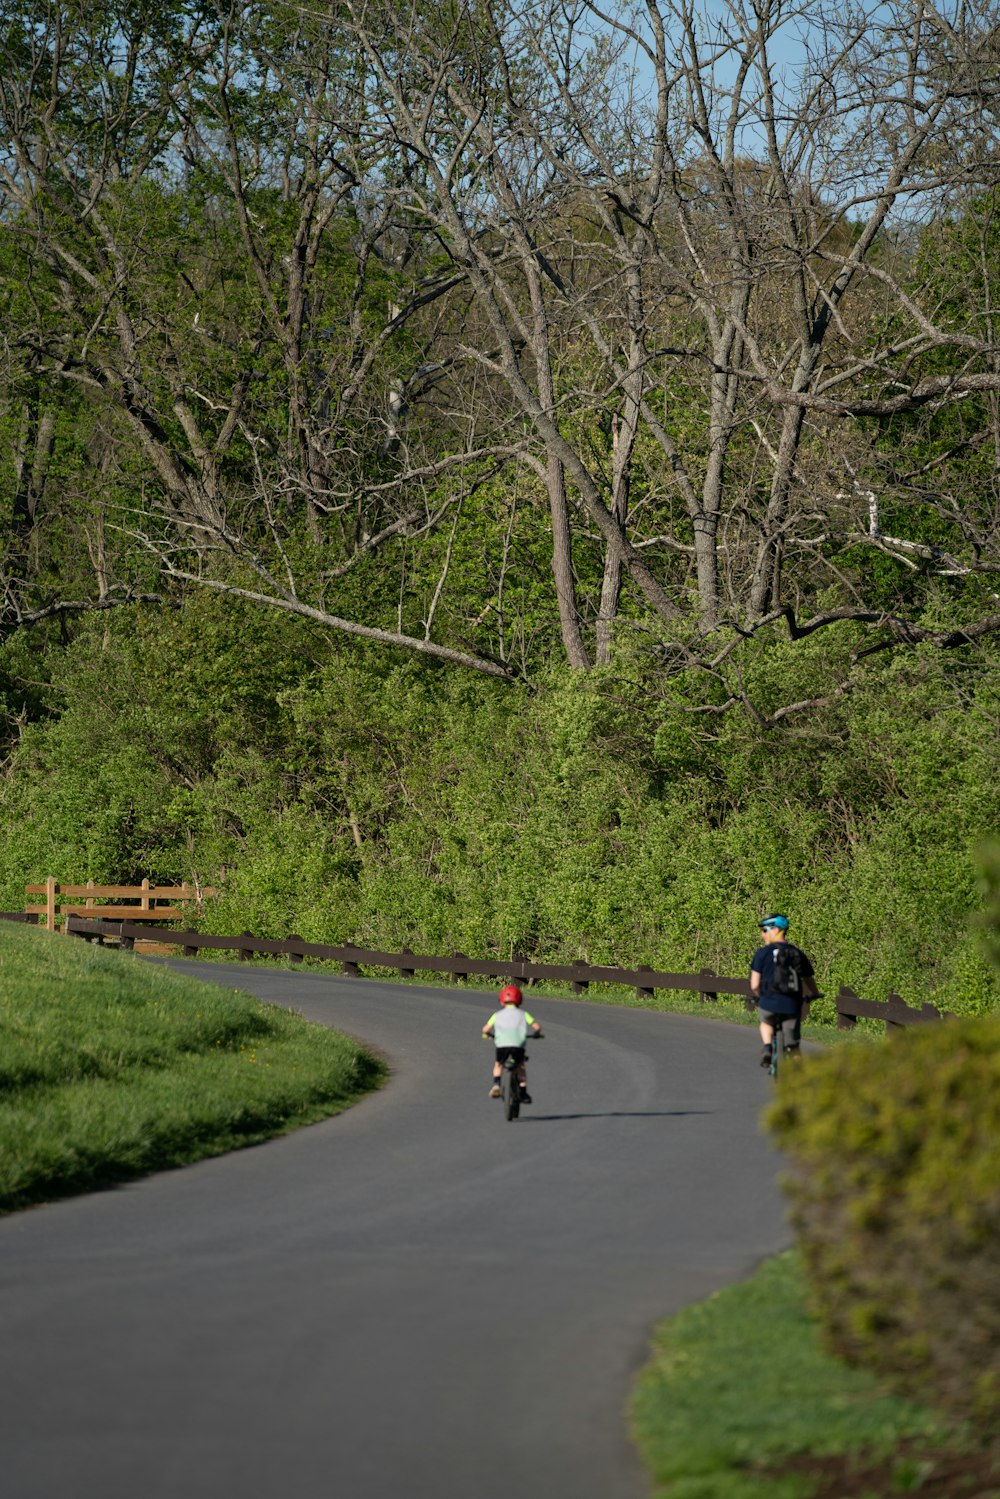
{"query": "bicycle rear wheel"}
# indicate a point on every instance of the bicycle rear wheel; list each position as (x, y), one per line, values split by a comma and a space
(510, 1093)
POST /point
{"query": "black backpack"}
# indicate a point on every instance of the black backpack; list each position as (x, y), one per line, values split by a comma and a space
(786, 974)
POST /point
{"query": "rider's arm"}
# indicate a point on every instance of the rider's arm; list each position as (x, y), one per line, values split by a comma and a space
(754, 978)
(488, 1029)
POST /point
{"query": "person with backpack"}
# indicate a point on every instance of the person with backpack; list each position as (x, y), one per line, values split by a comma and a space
(782, 982)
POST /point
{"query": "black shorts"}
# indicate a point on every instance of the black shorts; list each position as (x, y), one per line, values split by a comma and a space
(516, 1054)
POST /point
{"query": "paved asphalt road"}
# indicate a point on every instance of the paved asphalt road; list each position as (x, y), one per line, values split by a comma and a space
(408, 1300)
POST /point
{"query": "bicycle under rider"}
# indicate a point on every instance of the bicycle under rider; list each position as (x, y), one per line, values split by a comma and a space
(509, 1027)
(778, 1010)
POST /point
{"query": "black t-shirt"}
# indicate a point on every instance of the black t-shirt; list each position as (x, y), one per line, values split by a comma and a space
(769, 999)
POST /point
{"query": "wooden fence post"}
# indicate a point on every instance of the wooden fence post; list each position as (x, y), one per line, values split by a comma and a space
(246, 953)
(708, 973)
(846, 1021)
(144, 901)
(50, 903)
(295, 957)
(894, 1025)
(640, 992)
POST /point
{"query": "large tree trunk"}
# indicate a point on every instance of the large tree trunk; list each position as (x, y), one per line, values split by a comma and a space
(623, 429)
(562, 567)
(555, 473)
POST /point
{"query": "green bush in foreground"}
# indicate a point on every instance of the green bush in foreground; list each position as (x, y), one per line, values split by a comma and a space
(895, 1185)
(740, 1382)
(110, 1068)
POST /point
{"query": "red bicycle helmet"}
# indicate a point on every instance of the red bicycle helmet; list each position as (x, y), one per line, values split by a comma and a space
(511, 995)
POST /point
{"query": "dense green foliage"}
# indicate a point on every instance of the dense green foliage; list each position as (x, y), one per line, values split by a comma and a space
(347, 796)
(739, 1384)
(896, 1198)
(444, 558)
(109, 1069)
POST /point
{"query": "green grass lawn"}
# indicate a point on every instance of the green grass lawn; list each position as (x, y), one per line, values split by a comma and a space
(739, 1390)
(111, 1068)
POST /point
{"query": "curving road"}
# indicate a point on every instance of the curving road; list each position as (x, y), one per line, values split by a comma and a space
(399, 1302)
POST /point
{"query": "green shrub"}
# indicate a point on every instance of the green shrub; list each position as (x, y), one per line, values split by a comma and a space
(895, 1185)
(346, 794)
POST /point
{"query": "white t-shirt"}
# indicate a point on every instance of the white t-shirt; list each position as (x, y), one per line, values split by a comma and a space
(510, 1025)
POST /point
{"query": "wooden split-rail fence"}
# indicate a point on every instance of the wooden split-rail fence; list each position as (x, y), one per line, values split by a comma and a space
(893, 1012)
(145, 902)
(127, 914)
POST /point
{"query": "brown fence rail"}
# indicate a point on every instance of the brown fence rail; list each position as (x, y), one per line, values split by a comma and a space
(143, 902)
(458, 966)
(894, 1012)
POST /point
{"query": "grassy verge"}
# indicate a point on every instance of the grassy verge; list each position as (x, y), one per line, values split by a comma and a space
(110, 1068)
(739, 1401)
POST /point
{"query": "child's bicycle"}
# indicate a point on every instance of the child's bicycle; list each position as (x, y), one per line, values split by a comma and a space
(510, 1087)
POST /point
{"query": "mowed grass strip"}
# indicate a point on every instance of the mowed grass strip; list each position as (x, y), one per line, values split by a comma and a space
(111, 1068)
(740, 1382)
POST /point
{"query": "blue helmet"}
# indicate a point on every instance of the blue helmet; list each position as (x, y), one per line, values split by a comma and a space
(781, 922)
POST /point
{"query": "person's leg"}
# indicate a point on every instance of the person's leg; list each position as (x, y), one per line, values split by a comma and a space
(497, 1071)
(766, 1036)
(793, 1034)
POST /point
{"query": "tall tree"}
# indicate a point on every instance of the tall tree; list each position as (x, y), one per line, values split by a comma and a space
(319, 277)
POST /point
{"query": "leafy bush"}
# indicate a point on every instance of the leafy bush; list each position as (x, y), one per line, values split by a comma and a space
(339, 792)
(895, 1185)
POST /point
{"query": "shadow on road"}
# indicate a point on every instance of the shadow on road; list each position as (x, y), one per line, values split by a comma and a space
(618, 1114)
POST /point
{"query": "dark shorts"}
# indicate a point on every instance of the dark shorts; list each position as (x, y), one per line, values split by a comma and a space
(790, 1024)
(516, 1053)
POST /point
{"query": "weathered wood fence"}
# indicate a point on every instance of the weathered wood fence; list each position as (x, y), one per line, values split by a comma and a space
(893, 1012)
(143, 902)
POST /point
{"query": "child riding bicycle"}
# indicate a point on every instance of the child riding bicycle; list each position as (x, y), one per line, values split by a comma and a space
(508, 1027)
